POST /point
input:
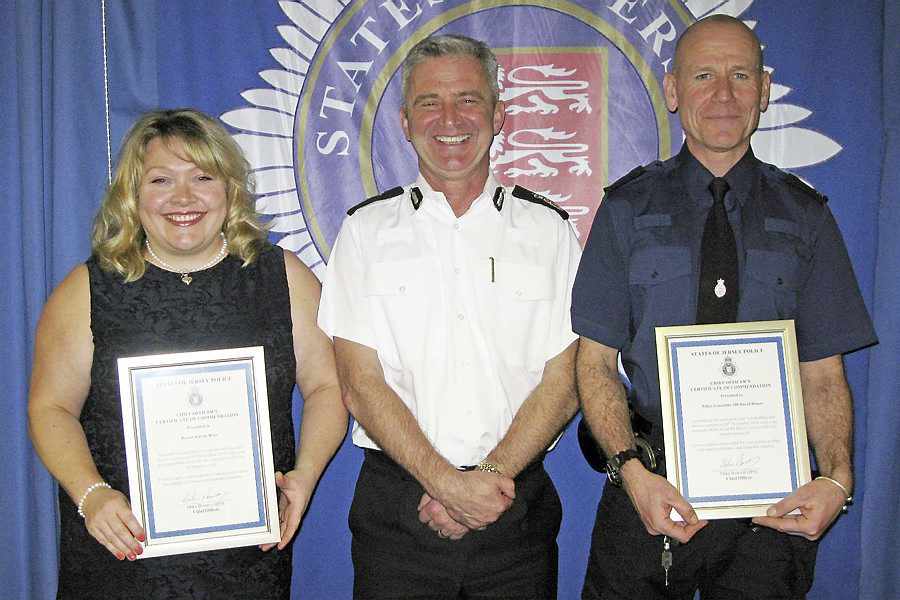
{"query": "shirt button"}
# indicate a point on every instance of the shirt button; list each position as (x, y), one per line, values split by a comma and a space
(402, 289)
(460, 316)
(519, 293)
(456, 270)
(456, 226)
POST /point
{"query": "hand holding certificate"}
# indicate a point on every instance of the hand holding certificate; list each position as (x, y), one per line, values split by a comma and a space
(199, 450)
(732, 415)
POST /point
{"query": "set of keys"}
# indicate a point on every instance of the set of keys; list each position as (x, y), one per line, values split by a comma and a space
(666, 557)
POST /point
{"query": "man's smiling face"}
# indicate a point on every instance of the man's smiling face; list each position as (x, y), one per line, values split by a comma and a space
(451, 118)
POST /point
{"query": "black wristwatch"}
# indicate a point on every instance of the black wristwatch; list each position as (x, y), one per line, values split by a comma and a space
(614, 465)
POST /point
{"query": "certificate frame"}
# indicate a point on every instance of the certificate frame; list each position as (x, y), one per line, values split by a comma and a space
(199, 449)
(728, 419)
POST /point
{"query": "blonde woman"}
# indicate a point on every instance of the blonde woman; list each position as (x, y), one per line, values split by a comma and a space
(179, 263)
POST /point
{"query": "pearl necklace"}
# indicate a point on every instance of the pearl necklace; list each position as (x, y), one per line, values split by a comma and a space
(186, 275)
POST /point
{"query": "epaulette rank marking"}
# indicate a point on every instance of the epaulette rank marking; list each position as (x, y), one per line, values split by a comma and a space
(798, 184)
(628, 177)
(382, 196)
(528, 195)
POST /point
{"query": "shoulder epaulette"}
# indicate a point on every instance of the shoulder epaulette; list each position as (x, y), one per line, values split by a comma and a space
(382, 196)
(799, 185)
(529, 196)
(630, 176)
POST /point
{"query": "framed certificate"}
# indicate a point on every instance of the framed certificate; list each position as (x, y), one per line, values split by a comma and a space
(732, 406)
(199, 449)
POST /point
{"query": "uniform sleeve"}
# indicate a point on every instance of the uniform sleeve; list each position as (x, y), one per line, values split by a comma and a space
(568, 254)
(343, 309)
(600, 300)
(832, 317)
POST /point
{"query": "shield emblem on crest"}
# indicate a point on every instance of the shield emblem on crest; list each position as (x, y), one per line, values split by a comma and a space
(555, 138)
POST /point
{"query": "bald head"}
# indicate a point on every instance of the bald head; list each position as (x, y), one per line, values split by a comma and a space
(719, 88)
(703, 25)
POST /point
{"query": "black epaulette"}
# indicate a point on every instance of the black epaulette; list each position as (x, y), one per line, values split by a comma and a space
(630, 176)
(528, 195)
(382, 196)
(798, 184)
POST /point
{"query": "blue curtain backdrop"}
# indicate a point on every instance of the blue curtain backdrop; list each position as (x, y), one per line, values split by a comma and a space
(54, 154)
(879, 557)
(233, 59)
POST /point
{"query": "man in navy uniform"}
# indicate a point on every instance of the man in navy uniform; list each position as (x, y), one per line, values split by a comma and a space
(448, 301)
(712, 235)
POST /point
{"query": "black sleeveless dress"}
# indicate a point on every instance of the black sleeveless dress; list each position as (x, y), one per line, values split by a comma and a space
(225, 306)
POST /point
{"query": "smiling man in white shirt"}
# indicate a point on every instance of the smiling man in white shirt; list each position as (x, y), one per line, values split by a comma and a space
(448, 302)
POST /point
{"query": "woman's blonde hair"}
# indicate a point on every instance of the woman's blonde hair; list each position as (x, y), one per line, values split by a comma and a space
(117, 237)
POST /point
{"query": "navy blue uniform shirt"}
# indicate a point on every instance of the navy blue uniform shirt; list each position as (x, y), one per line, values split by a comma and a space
(641, 264)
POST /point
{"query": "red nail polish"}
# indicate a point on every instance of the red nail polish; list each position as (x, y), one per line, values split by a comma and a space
(132, 557)
(120, 556)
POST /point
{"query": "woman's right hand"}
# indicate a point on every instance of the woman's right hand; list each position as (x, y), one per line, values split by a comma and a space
(108, 518)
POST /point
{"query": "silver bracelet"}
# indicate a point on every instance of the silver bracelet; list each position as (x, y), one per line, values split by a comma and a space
(848, 499)
(87, 492)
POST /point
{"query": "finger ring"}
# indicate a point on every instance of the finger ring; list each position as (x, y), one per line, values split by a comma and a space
(442, 533)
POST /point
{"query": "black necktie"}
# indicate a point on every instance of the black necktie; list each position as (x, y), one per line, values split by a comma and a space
(717, 299)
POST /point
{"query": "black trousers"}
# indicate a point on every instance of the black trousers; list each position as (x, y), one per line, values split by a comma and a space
(396, 556)
(728, 559)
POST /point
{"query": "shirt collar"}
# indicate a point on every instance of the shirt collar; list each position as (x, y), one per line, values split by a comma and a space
(697, 179)
(436, 201)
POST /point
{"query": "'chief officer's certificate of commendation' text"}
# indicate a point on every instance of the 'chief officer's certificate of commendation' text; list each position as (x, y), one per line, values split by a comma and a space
(199, 449)
(733, 419)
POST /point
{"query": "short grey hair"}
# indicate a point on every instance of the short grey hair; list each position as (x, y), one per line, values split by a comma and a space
(717, 18)
(452, 45)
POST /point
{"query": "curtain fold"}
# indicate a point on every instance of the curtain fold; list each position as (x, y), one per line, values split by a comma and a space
(55, 170)
(880, 575)
(26, 493)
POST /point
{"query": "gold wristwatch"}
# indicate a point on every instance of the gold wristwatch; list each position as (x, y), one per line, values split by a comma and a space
(488, 467)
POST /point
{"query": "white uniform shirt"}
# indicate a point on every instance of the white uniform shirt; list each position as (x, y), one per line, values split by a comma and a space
(463, 312)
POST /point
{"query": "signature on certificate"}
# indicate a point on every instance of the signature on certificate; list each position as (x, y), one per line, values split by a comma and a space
(197, 499)
(738, 461)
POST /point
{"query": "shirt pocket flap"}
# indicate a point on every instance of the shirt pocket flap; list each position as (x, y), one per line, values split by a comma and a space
(773, 268)
(394, 235)
(395, 278)
(782, 226)
(653, 220)
(653, 265)
(524, 282)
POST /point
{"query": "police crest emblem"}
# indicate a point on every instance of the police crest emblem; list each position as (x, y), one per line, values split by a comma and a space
(582, 79)
(728, 367)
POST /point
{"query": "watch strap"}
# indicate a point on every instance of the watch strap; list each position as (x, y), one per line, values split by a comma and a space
(614, 465)
(624, 456)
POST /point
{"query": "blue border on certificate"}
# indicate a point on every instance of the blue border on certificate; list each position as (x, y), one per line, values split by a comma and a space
(143, 375)
(679, 422)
